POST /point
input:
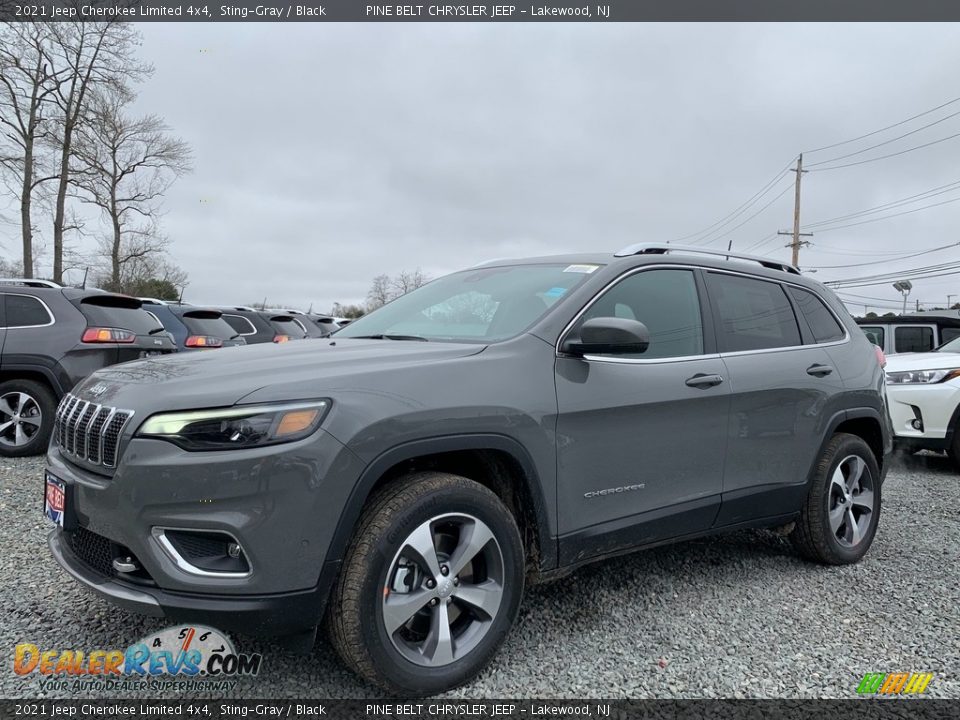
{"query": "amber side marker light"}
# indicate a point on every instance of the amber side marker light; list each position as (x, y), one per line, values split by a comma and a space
(296, 421)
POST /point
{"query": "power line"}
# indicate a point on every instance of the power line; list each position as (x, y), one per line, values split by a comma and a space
(758, 212)
(884, 157)
(886, 142)
(888, 217)
(881, 262)
(884, 129)
(740, 208)
(926, 194)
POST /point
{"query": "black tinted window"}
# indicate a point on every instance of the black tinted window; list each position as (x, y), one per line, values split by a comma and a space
(126, 318)
(23, 310)
(948, 334)
(874, 334)
(207, 325)
(240, 324)
(288, 326)
(912, 339)
(752, 314)
(822, 322)
(666, 301)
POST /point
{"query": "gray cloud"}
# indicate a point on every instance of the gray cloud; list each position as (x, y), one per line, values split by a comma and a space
(326, 154)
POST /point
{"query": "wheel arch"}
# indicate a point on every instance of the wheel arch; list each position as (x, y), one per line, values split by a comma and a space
(33, 372)
(866, 423)
(498, 462)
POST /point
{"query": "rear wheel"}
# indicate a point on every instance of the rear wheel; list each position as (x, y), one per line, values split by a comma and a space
(430, 586)
(26, 417)
(840, 516)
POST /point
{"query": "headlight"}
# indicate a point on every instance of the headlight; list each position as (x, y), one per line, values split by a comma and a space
(237, 427)
(912, 377)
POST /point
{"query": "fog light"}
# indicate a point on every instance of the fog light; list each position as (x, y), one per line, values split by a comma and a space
(916, 424)
(233, 550)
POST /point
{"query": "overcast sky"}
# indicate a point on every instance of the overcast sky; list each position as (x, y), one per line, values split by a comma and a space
(327, 154)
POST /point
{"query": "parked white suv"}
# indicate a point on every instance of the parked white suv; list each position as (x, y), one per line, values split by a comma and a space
(924, 395)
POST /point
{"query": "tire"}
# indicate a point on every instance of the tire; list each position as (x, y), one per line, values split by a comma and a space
(954, 451)
(381, 572)
(26, 417)
(839, 519)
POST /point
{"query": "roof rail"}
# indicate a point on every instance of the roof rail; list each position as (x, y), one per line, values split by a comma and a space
(658, 249)
(153, 301)
(29, 282)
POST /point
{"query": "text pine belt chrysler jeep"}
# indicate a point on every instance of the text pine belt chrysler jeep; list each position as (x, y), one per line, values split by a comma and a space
(401, 481)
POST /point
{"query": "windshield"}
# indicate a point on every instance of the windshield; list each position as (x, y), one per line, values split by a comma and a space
(482, 305)
(952, 347)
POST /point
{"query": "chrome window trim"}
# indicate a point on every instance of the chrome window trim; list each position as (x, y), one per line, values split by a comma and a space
(687, 358)
(46, 307)
(246, 320)
(159, 534)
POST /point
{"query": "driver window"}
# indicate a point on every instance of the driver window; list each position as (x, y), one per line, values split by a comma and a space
(666, 301)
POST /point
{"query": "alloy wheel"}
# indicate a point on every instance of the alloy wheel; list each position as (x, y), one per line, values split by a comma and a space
(20, 418)
(443, 590)
(852, 502)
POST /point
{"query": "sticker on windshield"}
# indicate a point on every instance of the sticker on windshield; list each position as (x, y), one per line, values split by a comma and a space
(581, 268)
(555, 292)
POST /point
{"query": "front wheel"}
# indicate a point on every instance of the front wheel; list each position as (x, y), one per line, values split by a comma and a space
(430, 585)
(839, 518)
(26, 417)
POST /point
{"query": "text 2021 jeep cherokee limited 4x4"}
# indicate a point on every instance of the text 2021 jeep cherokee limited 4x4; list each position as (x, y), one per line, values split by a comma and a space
(403, 479)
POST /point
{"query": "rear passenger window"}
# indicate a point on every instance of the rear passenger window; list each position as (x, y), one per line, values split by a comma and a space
(912, 339)
(666, 301)
(240, 324)
(24, 311)
(823, 324)
(874, 334)
(752, 314)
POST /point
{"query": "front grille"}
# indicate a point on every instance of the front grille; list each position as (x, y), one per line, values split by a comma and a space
(88, 431)
(94, 550)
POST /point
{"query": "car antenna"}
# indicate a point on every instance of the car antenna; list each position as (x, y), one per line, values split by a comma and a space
(180, 301)
(83, 285)
(310, 309)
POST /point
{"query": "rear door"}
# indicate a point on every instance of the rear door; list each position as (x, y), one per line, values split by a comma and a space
(782, 395)
(641, 439)
(142, 335)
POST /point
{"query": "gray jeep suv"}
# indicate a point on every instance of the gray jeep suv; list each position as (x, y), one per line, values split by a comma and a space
(401, 481)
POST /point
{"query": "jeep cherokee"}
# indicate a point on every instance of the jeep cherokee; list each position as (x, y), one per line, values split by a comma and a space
(401, 481)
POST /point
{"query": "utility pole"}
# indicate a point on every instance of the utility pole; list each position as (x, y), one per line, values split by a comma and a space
(797, 242)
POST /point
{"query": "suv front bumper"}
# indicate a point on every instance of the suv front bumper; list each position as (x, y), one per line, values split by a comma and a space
(263, 615)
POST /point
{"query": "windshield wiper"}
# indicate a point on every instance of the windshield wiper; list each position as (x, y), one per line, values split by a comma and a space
(390, 337)
(157, 330)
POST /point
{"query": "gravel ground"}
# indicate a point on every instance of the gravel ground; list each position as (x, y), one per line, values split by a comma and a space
(735, 616)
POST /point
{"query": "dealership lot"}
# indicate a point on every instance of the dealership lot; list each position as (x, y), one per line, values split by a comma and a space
(735, 616)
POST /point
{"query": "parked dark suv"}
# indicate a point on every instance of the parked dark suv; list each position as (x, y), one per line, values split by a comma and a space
(404, 479)
(52, 337)
(192, 327)
(263, 326)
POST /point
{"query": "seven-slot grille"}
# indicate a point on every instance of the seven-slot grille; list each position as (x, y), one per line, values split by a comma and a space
(88, 431)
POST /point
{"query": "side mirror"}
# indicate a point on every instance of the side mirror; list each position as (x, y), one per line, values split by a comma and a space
(608, 336)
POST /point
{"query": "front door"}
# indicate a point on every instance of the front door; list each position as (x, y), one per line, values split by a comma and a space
(642, 438)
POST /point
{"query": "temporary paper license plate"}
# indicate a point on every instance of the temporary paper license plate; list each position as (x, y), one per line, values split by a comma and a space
(55, 499)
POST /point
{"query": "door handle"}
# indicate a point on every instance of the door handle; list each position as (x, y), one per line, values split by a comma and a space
(704, 381)
(819, 370)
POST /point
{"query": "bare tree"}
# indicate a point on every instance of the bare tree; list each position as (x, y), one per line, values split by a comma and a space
(124, 166)
(384, 288)
(27, 84)
(380, 293)
(409, 280)
(93, 55)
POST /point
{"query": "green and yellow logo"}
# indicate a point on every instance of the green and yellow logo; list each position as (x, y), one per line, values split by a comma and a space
(894, 683)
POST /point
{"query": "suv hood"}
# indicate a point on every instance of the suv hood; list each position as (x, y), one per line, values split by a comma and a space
(922, 361)
(226, 376)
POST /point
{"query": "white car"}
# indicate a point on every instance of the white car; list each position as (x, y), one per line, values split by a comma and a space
(923, 390)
